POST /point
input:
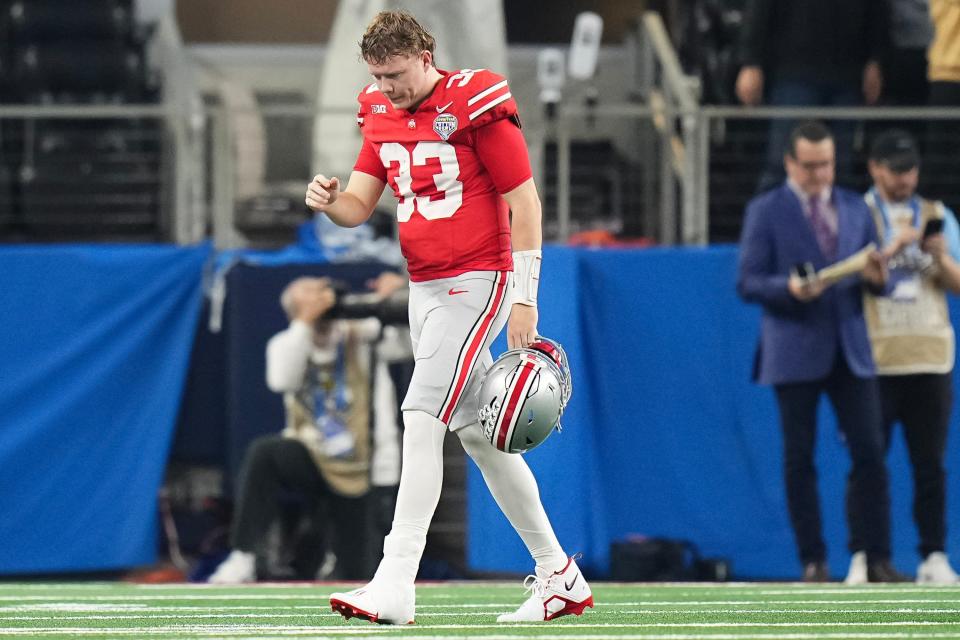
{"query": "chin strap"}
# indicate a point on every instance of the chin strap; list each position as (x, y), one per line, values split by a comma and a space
(526, 276)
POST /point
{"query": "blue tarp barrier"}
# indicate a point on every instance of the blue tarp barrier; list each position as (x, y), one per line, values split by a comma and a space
(94, 349)
(665, 434)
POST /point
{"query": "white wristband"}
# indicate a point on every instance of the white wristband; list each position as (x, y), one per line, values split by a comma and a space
(526, 276)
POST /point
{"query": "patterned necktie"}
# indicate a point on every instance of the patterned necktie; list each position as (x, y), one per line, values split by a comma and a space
(826, 237)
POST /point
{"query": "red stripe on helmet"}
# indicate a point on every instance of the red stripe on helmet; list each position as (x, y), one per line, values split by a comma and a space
(510, 413)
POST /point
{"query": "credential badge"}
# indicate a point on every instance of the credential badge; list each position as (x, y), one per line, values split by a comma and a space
(445, 124)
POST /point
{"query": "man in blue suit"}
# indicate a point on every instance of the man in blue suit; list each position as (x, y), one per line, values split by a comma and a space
(813, 339)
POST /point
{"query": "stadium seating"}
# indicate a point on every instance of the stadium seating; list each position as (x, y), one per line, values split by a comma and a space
(78, 178)
(87, 71)
(64, 20)
(94, 174)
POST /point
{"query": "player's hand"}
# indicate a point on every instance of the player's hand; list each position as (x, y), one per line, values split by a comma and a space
(322, 192)
(805, 290)
(872, 83)
(906, 236)
(935, 245)
(522, 326)
(750, 86)
(876, 270)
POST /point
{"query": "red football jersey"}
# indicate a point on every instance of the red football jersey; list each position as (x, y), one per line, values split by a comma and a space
(448, 162)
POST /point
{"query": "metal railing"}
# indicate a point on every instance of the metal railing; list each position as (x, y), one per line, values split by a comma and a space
(695, 165)
(673, 96)
(113, 167)
(692, 136)
(695, 179)
(746, 134)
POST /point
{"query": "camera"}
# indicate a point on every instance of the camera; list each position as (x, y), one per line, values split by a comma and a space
(356, 306)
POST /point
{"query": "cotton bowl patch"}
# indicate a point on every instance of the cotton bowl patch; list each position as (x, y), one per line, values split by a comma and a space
(445, 124)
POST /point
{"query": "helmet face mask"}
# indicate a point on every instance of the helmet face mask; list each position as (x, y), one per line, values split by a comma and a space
(555, 352)
(523, 395)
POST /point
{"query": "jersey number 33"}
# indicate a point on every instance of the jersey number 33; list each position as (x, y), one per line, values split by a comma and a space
(411, 163)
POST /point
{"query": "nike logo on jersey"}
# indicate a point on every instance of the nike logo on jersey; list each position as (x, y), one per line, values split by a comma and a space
(444, 107)
(572, 582)
(455, 291)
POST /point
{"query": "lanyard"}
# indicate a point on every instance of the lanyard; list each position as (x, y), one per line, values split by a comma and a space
(330, 392)
(878, 202)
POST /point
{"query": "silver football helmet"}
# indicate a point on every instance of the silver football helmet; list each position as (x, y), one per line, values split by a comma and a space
(523, 395)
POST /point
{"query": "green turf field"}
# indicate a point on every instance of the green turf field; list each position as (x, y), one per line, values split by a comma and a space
(674, 612)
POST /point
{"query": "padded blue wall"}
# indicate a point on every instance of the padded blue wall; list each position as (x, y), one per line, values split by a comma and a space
(94, 349)
(665, 434)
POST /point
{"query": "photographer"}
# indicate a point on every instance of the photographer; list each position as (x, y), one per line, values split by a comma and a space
(321, 364)
(912, 338)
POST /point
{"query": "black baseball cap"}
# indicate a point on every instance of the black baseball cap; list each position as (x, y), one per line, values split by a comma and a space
(897, 149)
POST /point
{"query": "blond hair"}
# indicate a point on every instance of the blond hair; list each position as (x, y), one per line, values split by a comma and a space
(393, 33)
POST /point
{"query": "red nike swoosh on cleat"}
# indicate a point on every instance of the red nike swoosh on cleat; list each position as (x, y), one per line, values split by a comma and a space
(454, 292)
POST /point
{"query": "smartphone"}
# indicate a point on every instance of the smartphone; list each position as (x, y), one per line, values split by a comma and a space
(933, 227)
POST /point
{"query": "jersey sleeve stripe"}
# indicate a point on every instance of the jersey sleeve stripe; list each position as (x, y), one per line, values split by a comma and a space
(483, 94)
(490, 105)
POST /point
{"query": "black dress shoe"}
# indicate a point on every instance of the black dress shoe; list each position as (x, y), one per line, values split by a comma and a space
(883, 571)
(816, 572)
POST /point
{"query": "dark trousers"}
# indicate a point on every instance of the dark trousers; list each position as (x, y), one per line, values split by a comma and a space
(857, 407)
(905, 84)
(275, 465)
(938, 174)
(797, 93)
(905, 77)
(921, 403)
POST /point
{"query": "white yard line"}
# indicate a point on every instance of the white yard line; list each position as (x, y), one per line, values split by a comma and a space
(177, 630)
(519, 625)
(841, 590)
(712, 636)
(320, 596)
(263, 631)
(707, 603)
(323, 605)
(187, 596)
(157, 614)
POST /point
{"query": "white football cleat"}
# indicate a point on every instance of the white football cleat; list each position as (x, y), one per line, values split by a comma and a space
(936, 569)
(553, 595)
(238, 568)
(377, 602)
(857, 574)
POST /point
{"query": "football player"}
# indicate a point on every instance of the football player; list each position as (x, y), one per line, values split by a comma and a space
(449, 145)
